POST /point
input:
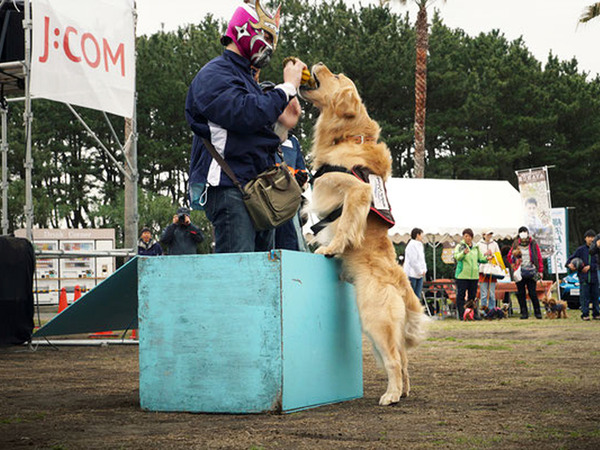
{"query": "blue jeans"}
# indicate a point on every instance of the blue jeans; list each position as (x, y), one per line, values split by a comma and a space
(234, 231)
(589, 292)
(417, 285)
(487, 291)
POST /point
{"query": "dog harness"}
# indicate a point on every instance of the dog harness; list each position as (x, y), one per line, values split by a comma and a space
(380, 206)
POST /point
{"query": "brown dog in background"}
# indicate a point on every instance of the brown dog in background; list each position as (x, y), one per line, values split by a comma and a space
(555, 309)
(346, 137)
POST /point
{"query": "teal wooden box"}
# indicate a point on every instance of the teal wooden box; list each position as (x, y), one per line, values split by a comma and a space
(246, 333)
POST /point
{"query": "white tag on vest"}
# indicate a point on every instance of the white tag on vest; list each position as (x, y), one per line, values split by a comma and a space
(380, 200)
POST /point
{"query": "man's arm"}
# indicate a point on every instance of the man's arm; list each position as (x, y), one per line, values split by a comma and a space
(196, 233)
(225, 101)
(168, 234)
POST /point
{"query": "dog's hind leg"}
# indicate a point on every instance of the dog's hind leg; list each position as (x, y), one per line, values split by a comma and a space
(405, 377)
(384, 339)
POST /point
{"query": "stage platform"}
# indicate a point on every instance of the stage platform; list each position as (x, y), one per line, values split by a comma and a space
(231, 333)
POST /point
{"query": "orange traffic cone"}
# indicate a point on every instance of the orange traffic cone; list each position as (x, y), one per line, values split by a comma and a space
(62, 300)
(134, 334)
(77, 293)
(103, 334)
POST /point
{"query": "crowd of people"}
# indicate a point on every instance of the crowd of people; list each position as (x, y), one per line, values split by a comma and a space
(479, 267)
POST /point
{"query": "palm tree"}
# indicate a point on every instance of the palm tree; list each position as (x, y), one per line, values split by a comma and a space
(590, 12)
(422, 47)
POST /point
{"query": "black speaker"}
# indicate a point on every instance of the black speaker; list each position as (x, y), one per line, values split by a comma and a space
(17, 269)
(12, 35)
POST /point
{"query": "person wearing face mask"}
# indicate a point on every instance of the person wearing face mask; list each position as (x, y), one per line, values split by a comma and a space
(467, 257)
(525, 253)
(226, 109)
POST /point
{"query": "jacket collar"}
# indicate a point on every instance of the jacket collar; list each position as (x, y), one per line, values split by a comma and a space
(238, 60)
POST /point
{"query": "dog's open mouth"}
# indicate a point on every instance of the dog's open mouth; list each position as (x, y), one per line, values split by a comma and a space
(312, 84)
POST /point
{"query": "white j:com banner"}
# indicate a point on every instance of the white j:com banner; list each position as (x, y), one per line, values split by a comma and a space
(84, 53)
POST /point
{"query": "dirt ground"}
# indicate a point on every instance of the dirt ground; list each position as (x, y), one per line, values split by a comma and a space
(503, 384)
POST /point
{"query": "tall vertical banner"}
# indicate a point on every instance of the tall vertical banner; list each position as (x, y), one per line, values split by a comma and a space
(84, 53)
(559, 222)
(535, 194)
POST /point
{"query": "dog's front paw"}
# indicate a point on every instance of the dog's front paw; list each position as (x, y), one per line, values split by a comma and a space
(326, 251)
(389, 398)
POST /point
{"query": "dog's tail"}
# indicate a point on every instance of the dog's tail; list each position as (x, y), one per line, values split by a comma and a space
(415, 329)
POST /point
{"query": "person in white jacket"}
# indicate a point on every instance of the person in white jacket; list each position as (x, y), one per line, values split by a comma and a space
(487, 282)
(414, 261)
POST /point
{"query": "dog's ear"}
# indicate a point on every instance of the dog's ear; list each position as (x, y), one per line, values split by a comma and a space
(346, 103)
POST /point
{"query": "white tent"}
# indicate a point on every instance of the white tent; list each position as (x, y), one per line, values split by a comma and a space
(443, 208)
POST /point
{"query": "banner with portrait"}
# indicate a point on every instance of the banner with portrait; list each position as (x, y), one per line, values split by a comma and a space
(535, 195)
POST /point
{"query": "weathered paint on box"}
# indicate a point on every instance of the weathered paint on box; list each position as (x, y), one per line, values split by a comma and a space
(246, 333)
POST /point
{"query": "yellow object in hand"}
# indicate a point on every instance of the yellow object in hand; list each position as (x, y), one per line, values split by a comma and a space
(307, 79)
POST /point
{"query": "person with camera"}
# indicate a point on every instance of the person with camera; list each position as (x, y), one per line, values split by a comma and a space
(467, 257)
(526, 257)
(586, 265)
(226, 107)
(182, 236)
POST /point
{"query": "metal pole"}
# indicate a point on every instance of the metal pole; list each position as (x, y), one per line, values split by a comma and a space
(28, 116)
(4, 148)
(131, 194)
(131, 182)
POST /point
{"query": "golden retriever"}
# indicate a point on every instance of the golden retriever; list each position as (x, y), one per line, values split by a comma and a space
(345, 136)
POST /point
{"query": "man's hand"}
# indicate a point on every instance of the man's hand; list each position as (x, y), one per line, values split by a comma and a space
(586, 269)
(301, 178)
(175, 219)
(290, 115)
(292, 72)
(467, 250)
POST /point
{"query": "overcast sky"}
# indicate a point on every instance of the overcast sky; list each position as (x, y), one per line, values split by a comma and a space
(546, 25)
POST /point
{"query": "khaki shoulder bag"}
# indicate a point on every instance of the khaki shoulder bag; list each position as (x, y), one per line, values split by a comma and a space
(271, 198)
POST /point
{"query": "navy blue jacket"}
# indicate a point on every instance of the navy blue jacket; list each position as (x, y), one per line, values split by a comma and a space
(226, 106)
(591, 276)
(152, 248)
(182, 239)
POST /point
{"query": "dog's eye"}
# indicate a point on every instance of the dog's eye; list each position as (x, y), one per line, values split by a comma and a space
(337, 77)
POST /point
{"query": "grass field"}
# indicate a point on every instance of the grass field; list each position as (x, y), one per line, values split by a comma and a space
(503, 384)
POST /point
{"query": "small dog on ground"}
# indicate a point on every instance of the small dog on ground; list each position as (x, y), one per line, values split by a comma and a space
(555, 309)
(470, 310)
(494, 313)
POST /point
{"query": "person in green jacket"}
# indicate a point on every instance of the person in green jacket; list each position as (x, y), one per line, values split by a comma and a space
(467, 257)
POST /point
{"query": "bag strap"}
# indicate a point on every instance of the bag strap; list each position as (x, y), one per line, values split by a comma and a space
(219, 159)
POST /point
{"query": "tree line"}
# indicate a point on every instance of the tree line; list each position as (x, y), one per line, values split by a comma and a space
(492, 108)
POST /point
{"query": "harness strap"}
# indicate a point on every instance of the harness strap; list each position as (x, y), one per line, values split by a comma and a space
(336, 213)
(362, 174)
(327, 169)
(321, 224)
